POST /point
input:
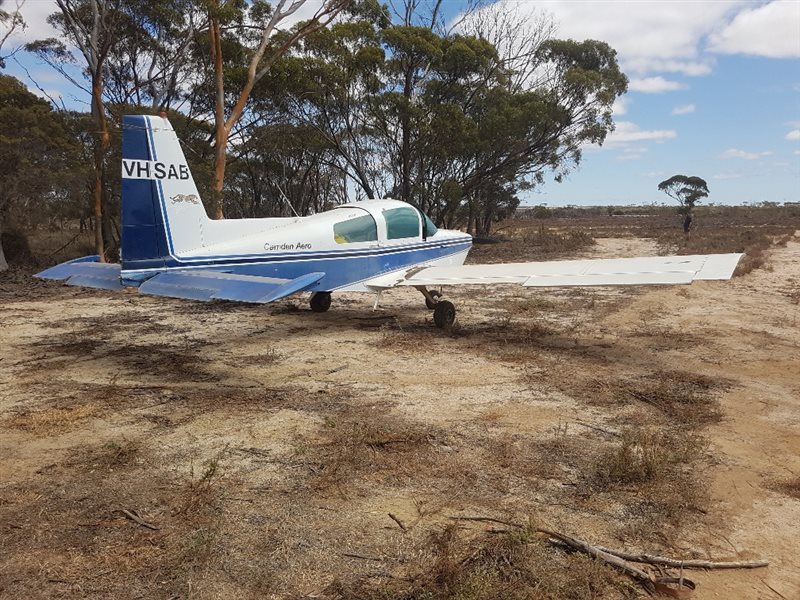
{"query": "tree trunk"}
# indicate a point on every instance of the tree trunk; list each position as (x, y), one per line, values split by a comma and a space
(3, 262)
(101, 143)
(405, 189)
(220, 159)
(221, 133)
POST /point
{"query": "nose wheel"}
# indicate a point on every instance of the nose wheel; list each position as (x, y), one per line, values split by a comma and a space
(444, 315)
(320, 301)
(444, 312)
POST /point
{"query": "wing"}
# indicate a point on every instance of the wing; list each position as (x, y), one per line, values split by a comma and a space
(191, 285)
(651, 270)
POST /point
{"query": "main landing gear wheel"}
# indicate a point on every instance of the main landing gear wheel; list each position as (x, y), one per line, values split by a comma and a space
(444, 315)
(431, 304)
(320, 301)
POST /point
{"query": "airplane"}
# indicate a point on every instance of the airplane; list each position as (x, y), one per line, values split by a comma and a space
(171, 248)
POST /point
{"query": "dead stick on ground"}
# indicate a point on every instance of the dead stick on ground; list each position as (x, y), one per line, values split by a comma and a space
(361, 556)
(487, 519)
(136, 518)
(615, 561)
(774, 590)
(398, 521)
(600, 429)
(686, 564)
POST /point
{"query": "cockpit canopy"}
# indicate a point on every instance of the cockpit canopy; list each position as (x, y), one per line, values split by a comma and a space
(397, 221)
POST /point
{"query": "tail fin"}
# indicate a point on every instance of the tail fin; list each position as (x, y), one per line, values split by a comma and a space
(162, 214)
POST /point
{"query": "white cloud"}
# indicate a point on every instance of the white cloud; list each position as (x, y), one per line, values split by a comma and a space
(632, 153)
(620, 106)
(771, 30)
(654, 85)
(735, 153)
(684, 109)
(727, 176)
(793, 135)
(35, 13)
(627, 132)
(650, 37)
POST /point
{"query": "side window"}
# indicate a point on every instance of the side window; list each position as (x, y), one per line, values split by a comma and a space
(360, 229)
(401, 222)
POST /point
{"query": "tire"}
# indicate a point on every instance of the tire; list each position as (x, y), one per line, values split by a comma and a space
(320, 301)
(431, 305)
(444, 315)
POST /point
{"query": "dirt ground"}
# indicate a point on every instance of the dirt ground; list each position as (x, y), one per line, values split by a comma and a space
(264, 447)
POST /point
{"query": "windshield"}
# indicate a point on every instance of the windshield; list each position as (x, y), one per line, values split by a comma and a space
(430, 228)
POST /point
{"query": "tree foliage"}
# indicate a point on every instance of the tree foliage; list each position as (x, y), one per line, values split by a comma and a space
(279, 117)
(40, 165)
(687, 190)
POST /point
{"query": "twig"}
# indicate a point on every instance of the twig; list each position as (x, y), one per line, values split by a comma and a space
(686, 564)
(600, 429)
(362, 557)
(131, 514)
(398, 521)
(488, 520)
(65, 245)
(774, 590)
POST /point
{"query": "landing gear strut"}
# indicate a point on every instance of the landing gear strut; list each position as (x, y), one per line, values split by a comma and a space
(320, 301)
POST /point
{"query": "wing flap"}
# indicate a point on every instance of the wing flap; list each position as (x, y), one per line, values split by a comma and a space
(647, 270)
(212, 285)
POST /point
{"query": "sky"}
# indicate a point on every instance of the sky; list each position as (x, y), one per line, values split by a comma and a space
(714, 92)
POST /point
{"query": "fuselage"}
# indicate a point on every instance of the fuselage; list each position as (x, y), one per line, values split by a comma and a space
(352, 244)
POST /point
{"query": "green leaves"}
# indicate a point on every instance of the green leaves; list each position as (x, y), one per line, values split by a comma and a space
(685, 189)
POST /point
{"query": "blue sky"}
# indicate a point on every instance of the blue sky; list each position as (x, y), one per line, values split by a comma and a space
(714, 92)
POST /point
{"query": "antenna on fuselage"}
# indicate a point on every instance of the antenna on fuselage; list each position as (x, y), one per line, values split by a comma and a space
(286, 199)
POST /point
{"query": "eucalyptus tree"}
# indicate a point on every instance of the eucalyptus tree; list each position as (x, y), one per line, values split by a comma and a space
(267, 43)
(10, 22)
(150, 65)
(38, 158)
(687, 190)
(91, 26)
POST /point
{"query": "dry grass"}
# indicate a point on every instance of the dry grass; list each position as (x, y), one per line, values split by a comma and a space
(788, 487)
(525, 241)
(511, 566)
(684, 398)
(52, 421)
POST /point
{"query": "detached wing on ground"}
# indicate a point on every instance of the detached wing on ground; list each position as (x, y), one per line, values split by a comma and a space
(651, 270)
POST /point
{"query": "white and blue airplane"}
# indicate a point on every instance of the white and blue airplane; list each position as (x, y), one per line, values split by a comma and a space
(171, 248)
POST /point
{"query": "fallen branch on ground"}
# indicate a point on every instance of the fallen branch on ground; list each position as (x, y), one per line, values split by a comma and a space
(644, 578)
(487, 519)
(686, 564)
(131, 514)
(623, 560)
(398, 521)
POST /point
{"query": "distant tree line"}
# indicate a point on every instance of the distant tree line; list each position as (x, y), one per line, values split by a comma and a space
(361, 100)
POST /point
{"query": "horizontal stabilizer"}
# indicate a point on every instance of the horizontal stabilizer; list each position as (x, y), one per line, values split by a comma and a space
(649, 270)
(85, 272)
(214, 285)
